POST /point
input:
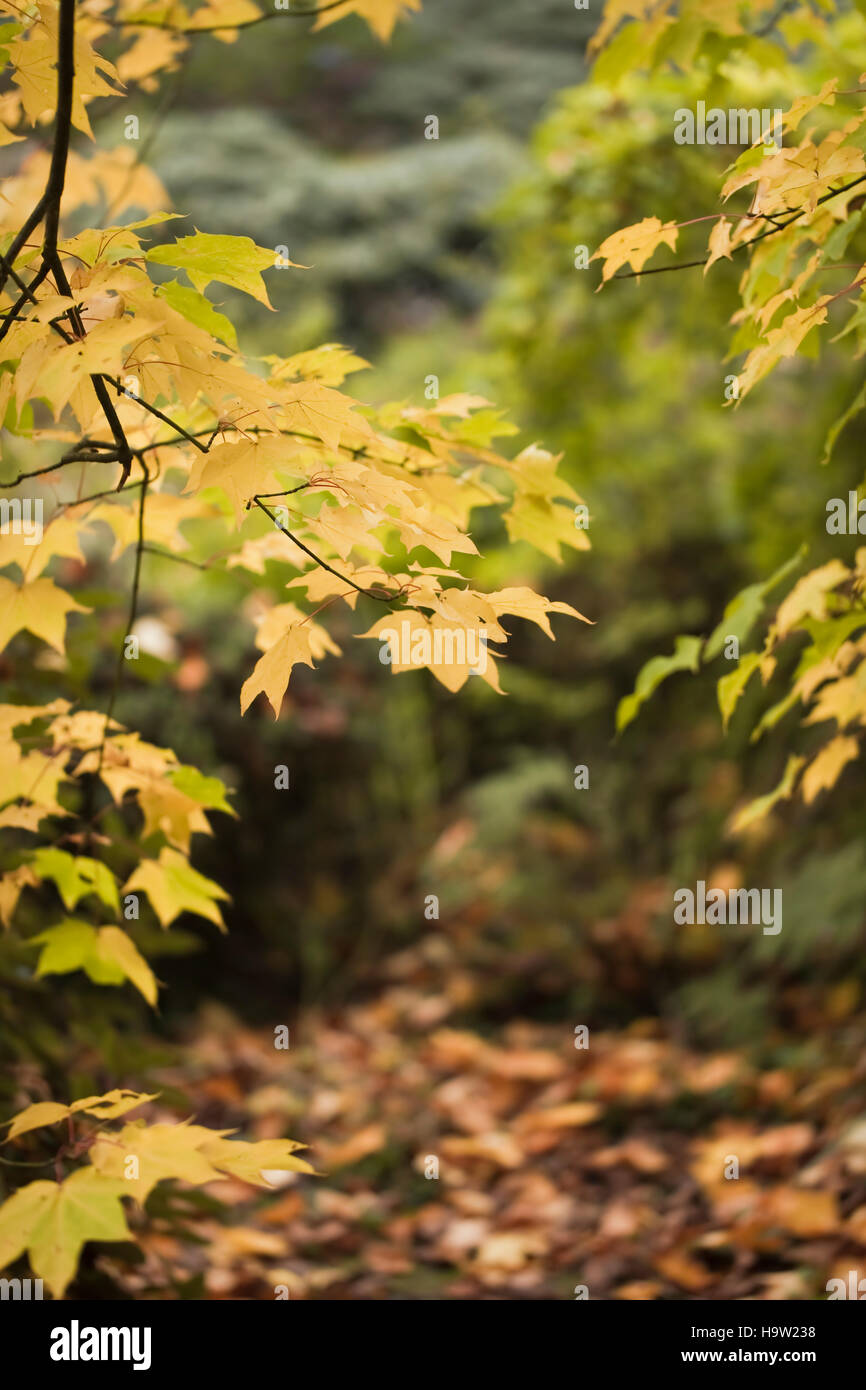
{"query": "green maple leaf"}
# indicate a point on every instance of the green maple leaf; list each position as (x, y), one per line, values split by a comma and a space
(52, 1221)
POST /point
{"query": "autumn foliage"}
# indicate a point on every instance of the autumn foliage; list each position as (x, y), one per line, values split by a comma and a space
(126, 387)
(139, 437)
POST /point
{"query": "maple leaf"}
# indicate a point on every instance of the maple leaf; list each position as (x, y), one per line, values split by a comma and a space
(719, 243)
(199, 310)
(76, 877)
(534, 471)
(33, 55)
(731, 686)
(164, 516)
(801, 106)
(161, 1150)
(544, 524)
(243, 468)
(151, 52)
(252, 1162)
(634, 245)
(174, 886)
(809, 595)
(824, 769)
(451, 655)
(271, 673)
(53, 1221)
(106, 955)
(232, 260)
(525, 603)
(56, 371)
(12, 885)
(49, 1112)
(330, 364)
(326, 413)
(254, 555)
(39, 607)
(223, 12)
(842, 700)
(685, 657)
(283, 616)
(381, 15)
(781, 342)
(31, 777)
(32, 555)
(191, 1153)
(130, 764)
(344, 528)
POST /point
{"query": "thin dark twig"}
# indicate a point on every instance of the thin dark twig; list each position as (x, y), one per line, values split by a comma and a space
(383, 596)
(95, 496)
(62, 127)
(286, 492)
(146, 405)
(49, 206)
(130, 622)
(26, 294)
(26, 290)
(169, 555)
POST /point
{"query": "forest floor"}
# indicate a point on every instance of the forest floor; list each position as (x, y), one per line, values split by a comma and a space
(514, 1165)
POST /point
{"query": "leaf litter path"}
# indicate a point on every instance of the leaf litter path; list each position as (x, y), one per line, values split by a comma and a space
(557, 1167)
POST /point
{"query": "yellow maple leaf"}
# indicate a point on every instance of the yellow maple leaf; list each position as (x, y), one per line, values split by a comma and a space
(48, 1112)
(614, 12)
(12, 885)
(283, 616)
(106, 955)
(270, 675)
(381, 15)
(323, 412)
(544, 524)
(780, 342)
(243, 468)
(525, 603)
(719, 243)
(32, 555)
(842, 700)
(824, 769)
(451, 651)
(174, 886)
(804, 104)
(634, 245)
(40, 608)
(252, 1162)
(157, 1151)
(808, 598)
(33, 55)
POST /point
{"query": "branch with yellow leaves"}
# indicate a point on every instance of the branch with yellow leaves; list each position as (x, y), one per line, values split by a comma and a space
(743, 245)
(48, 208)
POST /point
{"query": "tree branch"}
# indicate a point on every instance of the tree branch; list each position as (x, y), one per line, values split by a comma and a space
(744, 245)
(217, 28)
(130, 622)
(383, 595)
(49, 206)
